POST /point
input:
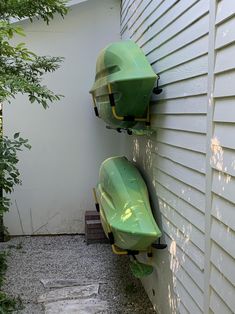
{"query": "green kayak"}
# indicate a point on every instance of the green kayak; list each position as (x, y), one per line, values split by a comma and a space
(124, 205)
(123, 85)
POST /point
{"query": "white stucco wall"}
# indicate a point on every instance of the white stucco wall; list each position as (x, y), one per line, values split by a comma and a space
(68, 141)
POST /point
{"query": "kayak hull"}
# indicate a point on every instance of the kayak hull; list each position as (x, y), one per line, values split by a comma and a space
(124, 205)
(123, 70)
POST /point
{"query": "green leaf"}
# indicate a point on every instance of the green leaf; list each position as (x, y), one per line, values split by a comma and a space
(16, 135)
(20, 45)
(28, 146)
(20, 31)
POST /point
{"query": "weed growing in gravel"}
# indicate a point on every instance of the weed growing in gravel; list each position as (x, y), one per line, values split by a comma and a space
(3, 266)
(17, 247)
(131, 288)
(7, 304)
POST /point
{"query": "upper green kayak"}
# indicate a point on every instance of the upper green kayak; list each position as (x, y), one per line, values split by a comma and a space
(124, 205)
(123, 70)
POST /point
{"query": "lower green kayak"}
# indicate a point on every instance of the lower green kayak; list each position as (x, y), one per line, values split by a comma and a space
(124, 205)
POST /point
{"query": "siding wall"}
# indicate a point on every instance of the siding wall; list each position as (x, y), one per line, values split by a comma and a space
(189, 164)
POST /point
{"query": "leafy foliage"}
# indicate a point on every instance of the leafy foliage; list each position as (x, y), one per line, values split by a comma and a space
(45, 9)
(7, 304)
(3, 266)
(9, 174)
(21, 71)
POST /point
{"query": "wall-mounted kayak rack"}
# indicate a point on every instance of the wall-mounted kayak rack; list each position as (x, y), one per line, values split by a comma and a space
(114, 111)
(117, 250)
(125, 118)
(123, 85)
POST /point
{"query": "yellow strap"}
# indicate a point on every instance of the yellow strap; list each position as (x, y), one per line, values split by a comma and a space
(121, 118)
(118, 251)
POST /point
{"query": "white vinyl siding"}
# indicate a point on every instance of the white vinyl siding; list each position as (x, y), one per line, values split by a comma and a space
(194, 184)
(222, 280)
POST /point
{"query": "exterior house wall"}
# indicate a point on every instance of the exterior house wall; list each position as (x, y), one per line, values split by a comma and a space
(68, 141)
(189, 163)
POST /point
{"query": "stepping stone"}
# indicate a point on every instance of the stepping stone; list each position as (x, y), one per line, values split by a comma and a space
(82, 306)
(61, 283)
(77, 292)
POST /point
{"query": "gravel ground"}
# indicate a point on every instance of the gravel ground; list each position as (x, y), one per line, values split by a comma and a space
(68, 257)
